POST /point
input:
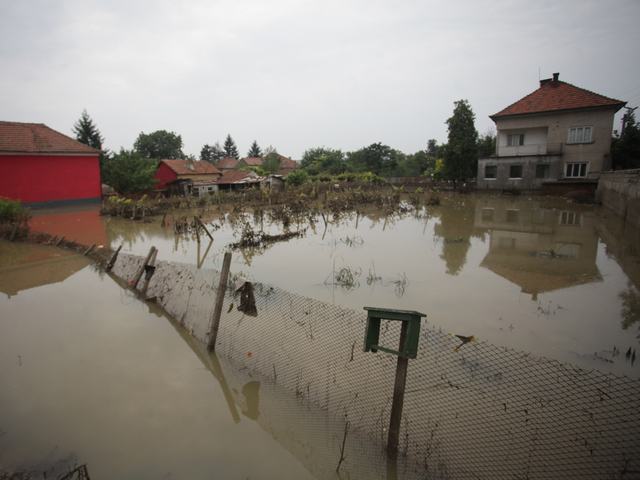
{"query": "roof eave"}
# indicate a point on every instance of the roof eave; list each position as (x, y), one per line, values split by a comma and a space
(616, 107)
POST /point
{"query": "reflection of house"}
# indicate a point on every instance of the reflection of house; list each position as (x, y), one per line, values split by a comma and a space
(536, 248)
(183, 173)
(27, 266)
(559, 133)
(42, 167)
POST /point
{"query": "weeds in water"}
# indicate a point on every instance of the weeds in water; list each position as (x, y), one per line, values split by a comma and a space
(346, 278)
(401, 284)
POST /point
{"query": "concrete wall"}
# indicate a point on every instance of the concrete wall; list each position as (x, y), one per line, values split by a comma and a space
(620, 192)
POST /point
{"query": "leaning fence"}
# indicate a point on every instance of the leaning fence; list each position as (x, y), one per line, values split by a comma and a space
(478, 411)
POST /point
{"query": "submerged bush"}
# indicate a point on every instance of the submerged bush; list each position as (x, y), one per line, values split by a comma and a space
(11, 211)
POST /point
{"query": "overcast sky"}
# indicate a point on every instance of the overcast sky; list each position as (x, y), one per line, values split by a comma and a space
(298, 74)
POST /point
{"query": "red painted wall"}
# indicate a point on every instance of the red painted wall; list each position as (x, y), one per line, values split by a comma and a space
(164, 175)
(42, 178)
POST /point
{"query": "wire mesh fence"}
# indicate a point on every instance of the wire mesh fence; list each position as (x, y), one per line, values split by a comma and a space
(470, 411)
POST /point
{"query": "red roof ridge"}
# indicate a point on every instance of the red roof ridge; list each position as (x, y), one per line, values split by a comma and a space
(555, 95)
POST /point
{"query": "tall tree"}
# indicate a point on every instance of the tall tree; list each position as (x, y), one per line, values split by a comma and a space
(323, 160)
(487, 144)
(212, 153)
(271, 163)
(230, 149)
(625, 147)
(432, 148)
(159, 145)
(129, 171)
(461, 151)
(87, 133)
(254, 151)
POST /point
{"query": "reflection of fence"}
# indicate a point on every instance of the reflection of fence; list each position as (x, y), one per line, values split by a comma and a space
(483, 412)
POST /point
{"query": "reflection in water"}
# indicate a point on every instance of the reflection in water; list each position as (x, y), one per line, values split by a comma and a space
(456, 227)
(630, 307)
(23, 267)
(539, 249)
(251, 392)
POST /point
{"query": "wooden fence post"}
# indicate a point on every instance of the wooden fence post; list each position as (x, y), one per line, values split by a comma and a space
(222, 287)
(136, 279)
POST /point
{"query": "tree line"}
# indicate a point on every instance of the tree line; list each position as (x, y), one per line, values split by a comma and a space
(456, 160)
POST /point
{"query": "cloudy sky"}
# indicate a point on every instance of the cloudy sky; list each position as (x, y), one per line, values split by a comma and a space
(298, 74)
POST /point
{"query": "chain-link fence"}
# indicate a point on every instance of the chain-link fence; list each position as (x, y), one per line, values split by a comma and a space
(477, 411)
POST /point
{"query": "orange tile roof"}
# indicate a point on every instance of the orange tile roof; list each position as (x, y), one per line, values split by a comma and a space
(200, 168)
(288, 164)
(37, 138)
(227, 162)
(253, 161)
(554, 95)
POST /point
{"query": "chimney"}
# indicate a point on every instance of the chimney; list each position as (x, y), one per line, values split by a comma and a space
(553, 81)
(190, 164)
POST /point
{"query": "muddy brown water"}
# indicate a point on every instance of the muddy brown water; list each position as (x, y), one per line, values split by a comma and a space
(111, 383)
(537, 274)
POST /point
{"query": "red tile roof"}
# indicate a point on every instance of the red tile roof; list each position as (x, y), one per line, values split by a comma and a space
(288, 164)
(37, 138)
(199, 167)
(226, 162)
(233, 176)
(554, 95)
(253, 161)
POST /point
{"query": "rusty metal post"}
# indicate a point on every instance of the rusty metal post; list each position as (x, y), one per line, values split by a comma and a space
(222, 287)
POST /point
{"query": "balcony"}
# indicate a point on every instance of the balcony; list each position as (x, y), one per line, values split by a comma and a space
(528, 150)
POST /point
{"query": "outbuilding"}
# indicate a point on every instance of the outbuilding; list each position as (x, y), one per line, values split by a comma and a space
(44, 168)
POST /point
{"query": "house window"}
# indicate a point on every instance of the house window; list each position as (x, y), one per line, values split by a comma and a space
(571, 218)
(579, 135)
(567, 250)
(507, 243)
(515, 171)
(487, 214)
(576, 170)
(490, 172)
(513, 216)
(542, 171)
(515, 140)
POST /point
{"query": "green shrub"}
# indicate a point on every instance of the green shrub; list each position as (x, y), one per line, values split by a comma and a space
(11, 211)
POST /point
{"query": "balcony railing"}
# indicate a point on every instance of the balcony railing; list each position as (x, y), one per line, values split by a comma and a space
(533, 149)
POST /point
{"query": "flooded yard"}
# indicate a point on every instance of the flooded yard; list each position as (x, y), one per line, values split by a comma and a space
(540, 275)
(89, 372)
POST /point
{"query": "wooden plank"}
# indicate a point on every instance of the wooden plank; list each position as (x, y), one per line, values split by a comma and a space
(113, 259)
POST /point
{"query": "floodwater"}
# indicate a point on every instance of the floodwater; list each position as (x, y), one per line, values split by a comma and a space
(89, 372)
(537, 274)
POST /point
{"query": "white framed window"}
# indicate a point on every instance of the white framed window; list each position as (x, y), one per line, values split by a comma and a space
(570, 218)
(516, 139)
(568, 250)
(515, 171)
(490, 172)
(487, 214)
(579, 135)
(513, 216)
(576, 170)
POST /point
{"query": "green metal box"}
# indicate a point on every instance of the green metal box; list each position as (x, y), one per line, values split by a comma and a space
(410, 330)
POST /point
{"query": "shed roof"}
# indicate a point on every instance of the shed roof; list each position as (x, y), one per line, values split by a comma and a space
(234, 176)
(179, 167)
(554, 95)
(37, 138)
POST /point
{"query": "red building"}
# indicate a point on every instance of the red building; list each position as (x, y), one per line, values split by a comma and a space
(44, 168)
(188, 170)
